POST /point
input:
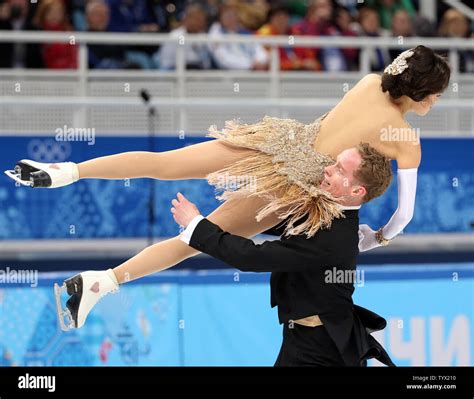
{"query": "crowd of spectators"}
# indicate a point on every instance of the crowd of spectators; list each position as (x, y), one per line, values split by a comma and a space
(352, 18)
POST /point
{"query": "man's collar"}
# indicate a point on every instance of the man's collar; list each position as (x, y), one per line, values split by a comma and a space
(348, 208)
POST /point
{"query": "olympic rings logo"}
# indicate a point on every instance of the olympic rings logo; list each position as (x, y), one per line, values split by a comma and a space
(48, 150)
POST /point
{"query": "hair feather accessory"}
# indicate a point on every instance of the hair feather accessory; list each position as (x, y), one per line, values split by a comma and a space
(399, 64)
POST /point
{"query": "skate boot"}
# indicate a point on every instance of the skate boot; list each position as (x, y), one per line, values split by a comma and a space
(85, 290)
(44, 175)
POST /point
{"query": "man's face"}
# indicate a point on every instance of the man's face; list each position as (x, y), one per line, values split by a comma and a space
(55, 14)
(229, 19)
(195, 21)
(370, 22)
(98, 17)
(322, 10)
(281, 22)
(401, 24)
(339, 178)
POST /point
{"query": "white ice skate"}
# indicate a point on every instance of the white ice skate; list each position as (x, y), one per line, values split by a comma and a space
(44, 175)
(85, 289)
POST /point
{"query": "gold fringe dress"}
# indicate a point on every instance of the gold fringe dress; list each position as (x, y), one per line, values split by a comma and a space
(284, 160)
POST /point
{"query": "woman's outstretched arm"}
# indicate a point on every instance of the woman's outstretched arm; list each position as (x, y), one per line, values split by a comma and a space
(406, 180)
(407, 176)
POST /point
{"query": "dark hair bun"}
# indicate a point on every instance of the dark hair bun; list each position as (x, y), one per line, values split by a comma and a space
(427, 73)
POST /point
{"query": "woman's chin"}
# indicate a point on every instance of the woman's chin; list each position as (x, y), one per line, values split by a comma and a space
(422, 112)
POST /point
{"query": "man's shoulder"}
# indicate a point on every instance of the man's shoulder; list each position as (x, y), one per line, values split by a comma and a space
(349, 218)
(343, 230)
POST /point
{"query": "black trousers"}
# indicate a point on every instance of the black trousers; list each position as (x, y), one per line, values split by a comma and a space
(308, 346)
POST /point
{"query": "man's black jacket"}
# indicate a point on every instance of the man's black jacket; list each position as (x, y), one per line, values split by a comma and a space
(305, 279)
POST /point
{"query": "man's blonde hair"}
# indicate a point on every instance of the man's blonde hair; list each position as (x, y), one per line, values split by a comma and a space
(374, 172)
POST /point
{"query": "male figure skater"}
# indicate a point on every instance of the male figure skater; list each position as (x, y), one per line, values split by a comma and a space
(322, 326)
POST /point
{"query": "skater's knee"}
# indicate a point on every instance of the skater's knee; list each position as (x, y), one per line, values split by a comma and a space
(158, 167)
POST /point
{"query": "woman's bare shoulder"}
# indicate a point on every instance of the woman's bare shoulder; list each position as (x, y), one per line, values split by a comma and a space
(368, 82)
(371, 78)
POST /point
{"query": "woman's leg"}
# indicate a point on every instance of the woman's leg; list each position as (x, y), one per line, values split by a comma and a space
(87, 288)
(191, 162)
(235, 216)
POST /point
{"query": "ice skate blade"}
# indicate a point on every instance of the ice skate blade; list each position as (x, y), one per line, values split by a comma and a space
(62, 313)
(12, 174)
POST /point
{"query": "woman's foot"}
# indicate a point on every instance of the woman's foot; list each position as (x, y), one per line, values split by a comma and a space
(44, 175)
(85, 290)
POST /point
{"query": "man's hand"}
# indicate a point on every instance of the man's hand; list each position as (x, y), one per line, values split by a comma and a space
(183, 211)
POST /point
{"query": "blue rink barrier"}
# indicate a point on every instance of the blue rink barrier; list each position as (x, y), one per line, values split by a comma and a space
(223, 318)
(119, 209)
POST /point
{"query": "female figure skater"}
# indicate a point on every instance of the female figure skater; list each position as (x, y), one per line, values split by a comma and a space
(281, 162)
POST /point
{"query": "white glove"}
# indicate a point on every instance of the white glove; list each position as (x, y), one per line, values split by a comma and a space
(367, 238)
(46, 175)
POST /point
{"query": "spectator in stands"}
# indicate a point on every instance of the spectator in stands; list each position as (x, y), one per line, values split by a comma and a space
(279, 24)
(388, 8)
(454, 24)
(197, 55)
(350, 5)
(345, 27)
(17, 15)
(76, 10)
(252, 13)
(298, 8)
(235, 55)
(98, 16)
(310, 25)
(369, 25)
(102, 56)
(138, 16)
(319, 22)
(402, 27)
(212, 10)
(423, 27)
(128, 16)
(51, 16)
(132, 16)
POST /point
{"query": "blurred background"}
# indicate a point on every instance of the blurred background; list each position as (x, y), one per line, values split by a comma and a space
(86, 78)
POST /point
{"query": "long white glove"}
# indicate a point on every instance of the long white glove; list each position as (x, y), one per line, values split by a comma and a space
(44, 175)
(367, 239)
(406, 180)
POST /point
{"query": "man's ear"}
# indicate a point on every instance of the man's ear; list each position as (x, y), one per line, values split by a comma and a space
(359, 191)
